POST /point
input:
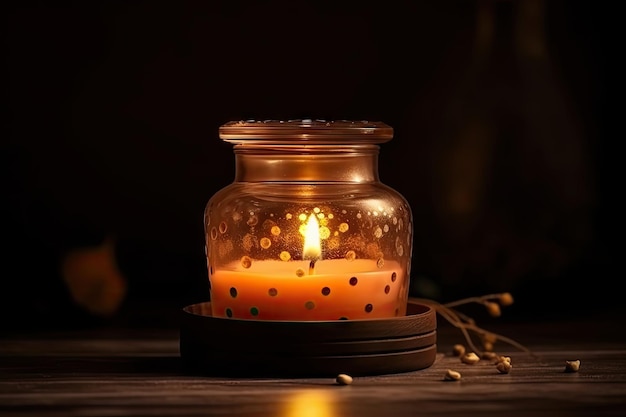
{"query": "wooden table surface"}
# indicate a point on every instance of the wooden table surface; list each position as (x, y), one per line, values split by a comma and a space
(136, 372)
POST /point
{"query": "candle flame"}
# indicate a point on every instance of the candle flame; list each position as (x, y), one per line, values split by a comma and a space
(312, 246)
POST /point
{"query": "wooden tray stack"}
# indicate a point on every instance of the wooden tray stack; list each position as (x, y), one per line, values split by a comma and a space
(255, 348)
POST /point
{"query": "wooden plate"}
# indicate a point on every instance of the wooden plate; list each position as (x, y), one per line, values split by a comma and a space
(220, 346)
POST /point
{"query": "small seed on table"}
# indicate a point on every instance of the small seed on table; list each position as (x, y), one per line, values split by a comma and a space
(452, 375)
(489, 355)
(470, 358)
(344, 379)
(504, 367)
(572, 366)
(458, 350)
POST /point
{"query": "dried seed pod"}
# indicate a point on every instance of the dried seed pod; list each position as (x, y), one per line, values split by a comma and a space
(489, 338)
(493, 309)
(344, 379)
(506, 299)
(458, 350)
(452, 375)
(488, 346)
(504, 367)
(572, 366)
(470, 358)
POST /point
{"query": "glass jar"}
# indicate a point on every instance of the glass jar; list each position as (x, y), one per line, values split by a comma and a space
(307, 231)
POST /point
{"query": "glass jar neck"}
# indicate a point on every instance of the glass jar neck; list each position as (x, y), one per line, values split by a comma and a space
(306, 163)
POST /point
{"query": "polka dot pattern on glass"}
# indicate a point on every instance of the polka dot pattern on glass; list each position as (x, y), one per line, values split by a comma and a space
(353, 283)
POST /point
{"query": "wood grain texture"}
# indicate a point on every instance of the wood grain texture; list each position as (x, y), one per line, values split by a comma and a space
(252, 364)
(138, 373)
(232, 345)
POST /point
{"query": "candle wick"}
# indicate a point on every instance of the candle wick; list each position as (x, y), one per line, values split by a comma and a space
(312, 267)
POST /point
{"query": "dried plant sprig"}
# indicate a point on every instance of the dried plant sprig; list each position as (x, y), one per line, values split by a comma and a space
(503, 299)
(468, 326)
(451, 316)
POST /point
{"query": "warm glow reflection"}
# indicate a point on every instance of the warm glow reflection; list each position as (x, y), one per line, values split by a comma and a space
(310, 404)
(312, 248)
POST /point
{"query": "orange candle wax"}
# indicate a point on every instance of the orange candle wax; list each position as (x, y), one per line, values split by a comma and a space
(333, 289)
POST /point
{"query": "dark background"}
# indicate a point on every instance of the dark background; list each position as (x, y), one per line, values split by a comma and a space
(501, 113)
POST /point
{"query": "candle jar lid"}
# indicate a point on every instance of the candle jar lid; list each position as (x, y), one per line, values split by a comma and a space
(307, 231)
(306, 130)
